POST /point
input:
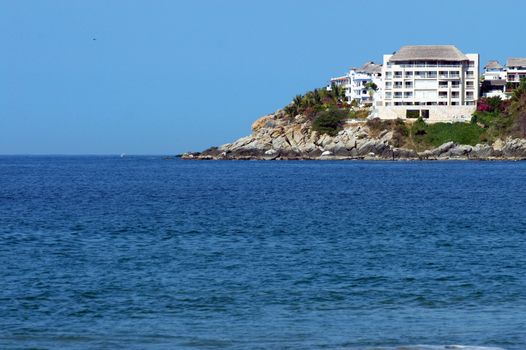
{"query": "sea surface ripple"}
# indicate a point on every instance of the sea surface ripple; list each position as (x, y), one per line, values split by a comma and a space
(144, 253)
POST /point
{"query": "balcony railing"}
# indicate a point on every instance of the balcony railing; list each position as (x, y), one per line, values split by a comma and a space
(429, 65)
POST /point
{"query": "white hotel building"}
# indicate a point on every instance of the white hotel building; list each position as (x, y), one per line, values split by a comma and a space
(516, 71)
(355, 83)
(437, 83)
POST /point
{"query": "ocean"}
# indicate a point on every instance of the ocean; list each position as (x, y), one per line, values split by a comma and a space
(145, 253)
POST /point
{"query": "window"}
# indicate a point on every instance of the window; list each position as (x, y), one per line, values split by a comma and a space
(412, 113)
(455, 94)
(455, 84)
(398, 85)
(470, 74)
(431, 74)
(442, 94)
(388, 95)
(388, 84)
(469, 95)
(408, 94)
(442, 85)
(388, 75)
(415, 113)
(424, 113)
(408, 74)
(408, 84)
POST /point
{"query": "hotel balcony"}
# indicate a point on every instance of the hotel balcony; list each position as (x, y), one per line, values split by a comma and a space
(429, 65)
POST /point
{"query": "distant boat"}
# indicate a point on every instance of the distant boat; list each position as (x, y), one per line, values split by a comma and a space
(123, 155)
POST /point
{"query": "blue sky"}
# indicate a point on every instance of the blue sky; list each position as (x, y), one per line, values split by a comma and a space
(164, 77)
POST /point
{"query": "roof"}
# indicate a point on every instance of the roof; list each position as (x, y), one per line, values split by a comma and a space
(369, 68)
(340, 78)
(493, 64)
(428, 52)
(516, 62)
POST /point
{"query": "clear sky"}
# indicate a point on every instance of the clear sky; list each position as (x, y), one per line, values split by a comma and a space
(164, 77)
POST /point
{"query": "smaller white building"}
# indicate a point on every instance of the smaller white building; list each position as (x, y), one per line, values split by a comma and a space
(358, 83)
(494, 71)
(362, 80)
(516, 71)
(494, 84)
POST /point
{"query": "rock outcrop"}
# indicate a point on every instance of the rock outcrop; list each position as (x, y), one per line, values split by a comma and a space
(278, 137)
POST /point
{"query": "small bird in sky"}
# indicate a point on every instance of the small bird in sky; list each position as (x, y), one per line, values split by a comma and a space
(94, 39)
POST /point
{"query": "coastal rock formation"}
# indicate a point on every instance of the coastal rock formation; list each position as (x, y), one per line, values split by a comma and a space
(279, 137)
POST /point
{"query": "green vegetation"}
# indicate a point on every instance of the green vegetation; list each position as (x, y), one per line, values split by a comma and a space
(501, 119)
(424, 135)
(330, 121)
(316, 101)
(326, 109)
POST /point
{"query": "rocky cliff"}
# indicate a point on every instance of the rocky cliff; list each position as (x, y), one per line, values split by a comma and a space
(279, 137)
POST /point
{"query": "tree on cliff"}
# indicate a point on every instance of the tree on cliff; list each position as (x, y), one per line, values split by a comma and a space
(518, 109)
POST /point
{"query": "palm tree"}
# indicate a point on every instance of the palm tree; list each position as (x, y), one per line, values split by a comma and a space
(298, 100)
(317, 97)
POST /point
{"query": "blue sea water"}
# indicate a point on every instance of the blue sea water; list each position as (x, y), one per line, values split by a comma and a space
(144, 253)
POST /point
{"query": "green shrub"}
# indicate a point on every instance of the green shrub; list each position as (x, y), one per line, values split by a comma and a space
(438, 133)
(330, 122)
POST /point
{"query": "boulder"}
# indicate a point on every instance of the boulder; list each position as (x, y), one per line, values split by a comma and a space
(481, 151)
(458, 151)
(515, 148)
(263, 122)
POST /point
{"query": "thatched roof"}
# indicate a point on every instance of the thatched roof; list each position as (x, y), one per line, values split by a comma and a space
(493, 65)
(428, 53)
(516, 62)
(371, 67)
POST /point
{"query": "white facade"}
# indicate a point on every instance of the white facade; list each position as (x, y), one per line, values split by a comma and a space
(516, 71)
(438, 83)
(494, 71)
(356, 83)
